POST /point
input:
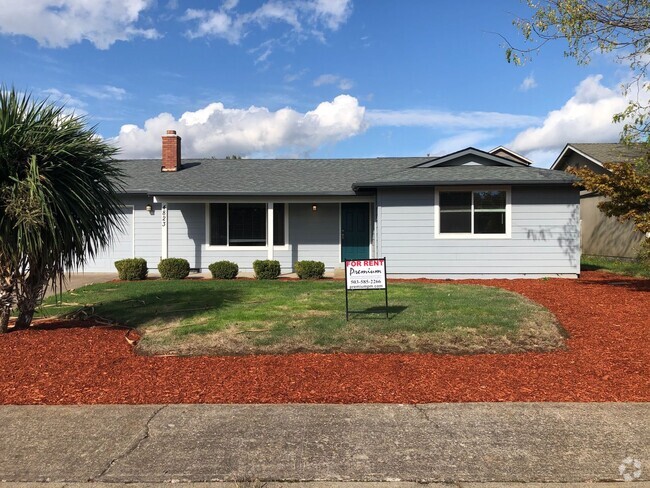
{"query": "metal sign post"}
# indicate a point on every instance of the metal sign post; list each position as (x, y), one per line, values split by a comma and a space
(365, 274)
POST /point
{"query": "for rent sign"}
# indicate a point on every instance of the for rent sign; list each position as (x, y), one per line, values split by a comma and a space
(368, 274)
(365, 274)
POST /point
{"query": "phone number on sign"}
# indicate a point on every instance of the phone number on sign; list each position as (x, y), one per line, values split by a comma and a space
(377, 283)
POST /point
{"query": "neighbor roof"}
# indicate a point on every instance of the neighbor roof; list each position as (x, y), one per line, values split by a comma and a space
(258, 176)
(601, 152)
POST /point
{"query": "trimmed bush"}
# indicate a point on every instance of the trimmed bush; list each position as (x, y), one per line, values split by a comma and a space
(132, 269)
(310, 270)
(224, 270)
(267, 269)
(174, 268)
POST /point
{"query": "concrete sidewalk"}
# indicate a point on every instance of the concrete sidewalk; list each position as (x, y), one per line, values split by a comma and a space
(522, 442)
(321, 484)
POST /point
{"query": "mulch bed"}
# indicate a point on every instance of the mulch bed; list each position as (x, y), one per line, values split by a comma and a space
(608, 359)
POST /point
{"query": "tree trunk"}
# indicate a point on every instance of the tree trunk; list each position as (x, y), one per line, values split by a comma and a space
(6, 304)
(5, 313)
(24, 319)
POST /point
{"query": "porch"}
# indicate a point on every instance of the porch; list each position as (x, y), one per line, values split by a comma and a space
(243, 230)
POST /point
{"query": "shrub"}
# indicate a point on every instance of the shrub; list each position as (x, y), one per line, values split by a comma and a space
(174, 268)
(267, 269)
(310, 270)
(132, 269)
(224, 270)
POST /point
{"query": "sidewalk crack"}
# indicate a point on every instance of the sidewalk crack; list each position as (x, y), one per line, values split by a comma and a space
(135, 445)
(424, 413)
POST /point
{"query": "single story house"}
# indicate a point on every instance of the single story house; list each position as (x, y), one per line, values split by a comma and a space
(602, 235)
(467, 214)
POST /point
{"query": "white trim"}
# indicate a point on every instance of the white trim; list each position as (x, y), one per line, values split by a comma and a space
(511, 152)
(228, 247)
(269, 230)
(577, 151)
(340, 232)
(471, 235)
(132, 229)
(164, 226)
(263, 199)
(371, 237)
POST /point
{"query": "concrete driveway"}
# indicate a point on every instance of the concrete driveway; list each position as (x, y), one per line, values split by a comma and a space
(77, 280)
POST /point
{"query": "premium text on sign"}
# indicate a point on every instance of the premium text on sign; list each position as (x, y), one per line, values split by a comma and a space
(365, 274)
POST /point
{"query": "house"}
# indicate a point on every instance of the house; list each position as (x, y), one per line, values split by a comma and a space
(466, 214)
(602, 235)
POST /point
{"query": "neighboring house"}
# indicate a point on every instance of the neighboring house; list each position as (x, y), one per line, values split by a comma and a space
(602, 235)
(466, 214)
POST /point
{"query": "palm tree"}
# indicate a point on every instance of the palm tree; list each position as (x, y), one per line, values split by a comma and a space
(59, 201)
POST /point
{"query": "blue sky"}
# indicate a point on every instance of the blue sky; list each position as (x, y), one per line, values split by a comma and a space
(316, 78)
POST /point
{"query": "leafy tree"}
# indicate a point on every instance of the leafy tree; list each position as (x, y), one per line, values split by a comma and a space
(621, 27)
(628, 192)
(58, 199)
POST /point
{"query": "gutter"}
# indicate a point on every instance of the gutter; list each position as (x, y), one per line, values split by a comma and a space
(387, 184)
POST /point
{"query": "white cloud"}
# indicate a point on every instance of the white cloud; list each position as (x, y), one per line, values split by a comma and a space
(333, 13)
(61, 23)
(528, 84)
(585, 117)
(449, 120)
(330, 79)
(60, 98)
(291, 75)
(306, 17)
(213, 23)
(218, 131)
(459, 141)
(543, 159)
(104, 92)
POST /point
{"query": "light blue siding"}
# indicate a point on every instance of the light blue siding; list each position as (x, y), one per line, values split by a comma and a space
(544, 236)
(142, 231)
(148, 230)
(315, 235)
(312, 235)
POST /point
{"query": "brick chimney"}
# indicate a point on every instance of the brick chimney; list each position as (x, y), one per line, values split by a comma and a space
(171, 151)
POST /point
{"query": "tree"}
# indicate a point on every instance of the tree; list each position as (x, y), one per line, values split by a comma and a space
(621, 27)
(627, 189)
(59, 201)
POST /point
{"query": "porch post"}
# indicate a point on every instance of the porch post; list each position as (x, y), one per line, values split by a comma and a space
(164, 222)
(269, 230)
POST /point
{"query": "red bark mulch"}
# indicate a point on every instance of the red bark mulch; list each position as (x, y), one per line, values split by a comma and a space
(608, 359)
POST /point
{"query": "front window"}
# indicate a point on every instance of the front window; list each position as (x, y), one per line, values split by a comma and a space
(244, 224)
(473, 212)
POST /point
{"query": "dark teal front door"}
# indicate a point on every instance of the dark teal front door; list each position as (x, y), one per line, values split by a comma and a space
(355, 231)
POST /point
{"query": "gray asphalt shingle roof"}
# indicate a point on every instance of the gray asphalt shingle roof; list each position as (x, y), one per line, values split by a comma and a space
(464, 175)
(612, 152)
(315, 176)
(259, 176)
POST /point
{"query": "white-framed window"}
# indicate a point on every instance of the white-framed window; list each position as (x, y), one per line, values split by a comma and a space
(473, 212)
(240, 225)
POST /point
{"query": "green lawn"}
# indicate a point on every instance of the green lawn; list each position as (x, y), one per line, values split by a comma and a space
(613, 265)
(244, 316)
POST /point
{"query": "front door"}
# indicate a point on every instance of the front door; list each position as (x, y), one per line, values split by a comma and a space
(355, 231)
